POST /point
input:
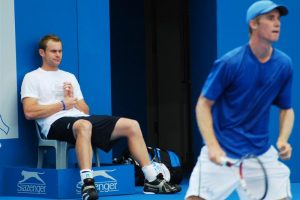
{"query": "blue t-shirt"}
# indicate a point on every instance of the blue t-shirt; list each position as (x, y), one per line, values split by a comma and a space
(244, 90)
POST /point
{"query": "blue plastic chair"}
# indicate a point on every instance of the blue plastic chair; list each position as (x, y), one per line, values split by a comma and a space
(61, 150)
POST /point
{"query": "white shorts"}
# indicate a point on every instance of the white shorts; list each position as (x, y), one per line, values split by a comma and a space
(214, 182)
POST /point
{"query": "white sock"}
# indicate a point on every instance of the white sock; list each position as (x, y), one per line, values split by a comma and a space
(86, 173)
(149, 172)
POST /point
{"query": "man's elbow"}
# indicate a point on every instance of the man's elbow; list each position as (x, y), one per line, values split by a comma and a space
(288, 111)
(204, 103)
(29, 115)
(87, 111)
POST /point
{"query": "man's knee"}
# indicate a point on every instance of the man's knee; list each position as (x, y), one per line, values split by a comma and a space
(132, 127)
(128, 128)
(82, 128)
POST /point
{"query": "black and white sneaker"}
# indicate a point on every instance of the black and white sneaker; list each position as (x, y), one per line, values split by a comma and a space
(88, 190)
(160, 186)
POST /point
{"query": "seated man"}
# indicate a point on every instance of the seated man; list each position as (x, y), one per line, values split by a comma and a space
(53, 98)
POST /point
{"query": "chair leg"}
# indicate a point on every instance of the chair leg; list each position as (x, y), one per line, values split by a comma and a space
(40, 157)
(61, 155)
(96, 156)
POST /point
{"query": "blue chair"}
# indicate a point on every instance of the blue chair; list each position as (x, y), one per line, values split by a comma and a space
(61, 150)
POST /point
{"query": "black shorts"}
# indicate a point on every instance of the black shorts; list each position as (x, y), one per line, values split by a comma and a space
(103, 126)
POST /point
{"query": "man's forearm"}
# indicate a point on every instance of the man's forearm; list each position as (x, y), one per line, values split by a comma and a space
(82, 106)
(286, 124)
(37, 111)
(205, 122)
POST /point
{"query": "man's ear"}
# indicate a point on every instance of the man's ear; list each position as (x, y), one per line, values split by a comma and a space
(253, 24)
(41, 52)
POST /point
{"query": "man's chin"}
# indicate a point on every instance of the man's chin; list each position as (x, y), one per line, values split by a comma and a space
(56, 65)
(275, 39)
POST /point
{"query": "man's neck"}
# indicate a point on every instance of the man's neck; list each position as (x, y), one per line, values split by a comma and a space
(261, 50)
(49, 68)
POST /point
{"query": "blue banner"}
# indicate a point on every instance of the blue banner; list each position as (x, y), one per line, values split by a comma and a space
(65, 183)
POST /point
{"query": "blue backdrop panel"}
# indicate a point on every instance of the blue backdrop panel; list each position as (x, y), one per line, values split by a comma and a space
(34, 18)
(233, 32)
(94, 57)
(2, 182)
(51, 183)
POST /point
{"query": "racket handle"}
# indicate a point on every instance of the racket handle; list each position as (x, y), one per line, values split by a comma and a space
(225, 161)
(243, 183)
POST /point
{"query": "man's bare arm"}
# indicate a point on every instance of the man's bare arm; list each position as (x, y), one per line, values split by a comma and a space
(82, 106)
(33, 110)
(286, 126)
(205, 123)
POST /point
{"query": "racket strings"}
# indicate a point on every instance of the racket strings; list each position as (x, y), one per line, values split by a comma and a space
(243, 183)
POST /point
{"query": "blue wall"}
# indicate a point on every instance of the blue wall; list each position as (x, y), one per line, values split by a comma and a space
(233, 31)
(94, 54)
(84, 29)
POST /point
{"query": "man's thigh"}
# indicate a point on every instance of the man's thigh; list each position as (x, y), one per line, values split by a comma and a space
(211, 181)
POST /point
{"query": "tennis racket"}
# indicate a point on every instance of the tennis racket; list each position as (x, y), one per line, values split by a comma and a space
(239, 168)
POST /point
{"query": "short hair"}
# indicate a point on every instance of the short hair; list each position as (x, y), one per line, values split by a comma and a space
(44, 41)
